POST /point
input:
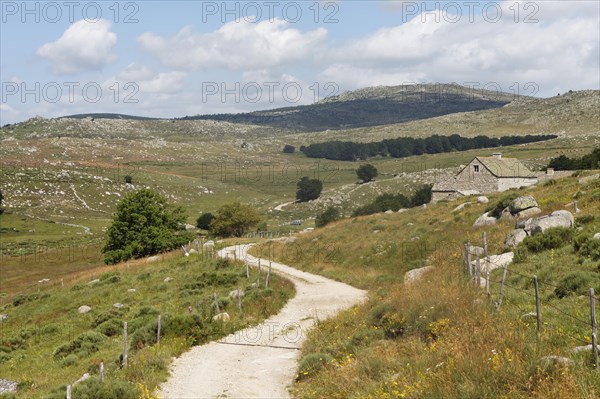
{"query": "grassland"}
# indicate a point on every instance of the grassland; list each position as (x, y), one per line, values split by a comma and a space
(442, 337)
(45, 343)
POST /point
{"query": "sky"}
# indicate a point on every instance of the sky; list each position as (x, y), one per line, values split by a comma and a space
(176, 58)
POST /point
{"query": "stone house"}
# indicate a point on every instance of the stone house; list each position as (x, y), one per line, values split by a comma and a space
(484, 175)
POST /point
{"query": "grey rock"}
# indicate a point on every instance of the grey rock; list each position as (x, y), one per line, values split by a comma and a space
(83, 378)
(515, 237)
(154, 258)
(131, 290)
(461, 207)
(529, 212)
(485, 220)
(556, 219)
(416, 274)
(84, 309)
(549, 362)
(118, 305)
(389, 211)
(584, 348)
(524, 224)
(529, 315)
(95, 281)
(402, 210)
(522, 203)
(3, 316)
(236, 293)
(475, 250)
(483, 199)
(221, 317)
(506, 214)
(596, 236)
(167, 279)
(7, 386)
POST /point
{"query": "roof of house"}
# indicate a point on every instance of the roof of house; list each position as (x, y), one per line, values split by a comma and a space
(505, 167)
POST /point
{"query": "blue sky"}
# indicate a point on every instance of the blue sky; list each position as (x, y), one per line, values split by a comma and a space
(177, 58)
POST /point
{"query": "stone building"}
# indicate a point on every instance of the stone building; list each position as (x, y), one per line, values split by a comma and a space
(484, 175)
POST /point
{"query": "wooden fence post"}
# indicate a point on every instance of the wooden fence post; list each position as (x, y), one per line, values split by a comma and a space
(239, 299)
(502, 287)
(101, 371)
(217, 303)
(538, 311)
(478, 272)
(68, 391)
(469, 264)
(594, 328)
(268, 275)
(124, 344)
(158, 329)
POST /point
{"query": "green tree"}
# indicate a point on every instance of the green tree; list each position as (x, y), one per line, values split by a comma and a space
(330, 214)
(144, 224)
(234, 220)
(308, 189)
(203, 221)
(366, 172)
(421, 196)
(128, 179)
(289, 149)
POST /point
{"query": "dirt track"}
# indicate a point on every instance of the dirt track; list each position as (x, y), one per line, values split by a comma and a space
(259, 362)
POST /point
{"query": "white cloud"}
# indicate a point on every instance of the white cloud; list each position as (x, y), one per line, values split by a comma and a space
(83, 46)
(236, 45)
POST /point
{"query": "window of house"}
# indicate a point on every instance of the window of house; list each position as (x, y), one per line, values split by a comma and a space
(475, 168)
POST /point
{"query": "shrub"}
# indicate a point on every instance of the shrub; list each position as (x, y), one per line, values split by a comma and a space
(585, 245)
(366, 172)
(83, 345)
(520, 254)
(552, 238)
(93, 388)
(312, 363)
(577, 282)
(331, 214)
(308, 189)
(204, 220)
(104, 316)
(496, 209)
(110, 327)
(289, 149)
(585, 219)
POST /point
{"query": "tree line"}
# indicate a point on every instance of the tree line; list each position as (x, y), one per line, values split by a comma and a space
(395, 202)
(589, 161)
(407, 146)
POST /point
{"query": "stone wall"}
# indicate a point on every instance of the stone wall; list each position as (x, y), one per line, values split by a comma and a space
(515, 182)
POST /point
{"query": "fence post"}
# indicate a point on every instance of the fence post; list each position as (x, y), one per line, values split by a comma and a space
(158, 329)
(502, 287)
(484, 243)
(124, 344)
(68, 391)
(478, 272)
(217, 303)
(538, 312)
(268, 275)
(247, 269)
(101, 371)
(239, 299)
(469, 265)
(594, 328)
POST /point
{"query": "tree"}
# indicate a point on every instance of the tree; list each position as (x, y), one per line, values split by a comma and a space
(234, 220)
(366, 172)
(330, 214)
(289, 149)
(421, 196)
(143, 225)
(308, 189)
(203, 221)
(128, 179)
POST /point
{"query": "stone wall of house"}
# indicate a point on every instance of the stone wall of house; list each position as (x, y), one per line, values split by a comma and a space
(444, 195)
(515, 182)
(483, 181)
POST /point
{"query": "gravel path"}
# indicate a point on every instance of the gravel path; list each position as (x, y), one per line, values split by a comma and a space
(261, 361)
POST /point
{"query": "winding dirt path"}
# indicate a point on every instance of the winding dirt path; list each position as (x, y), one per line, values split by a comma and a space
(261, 361)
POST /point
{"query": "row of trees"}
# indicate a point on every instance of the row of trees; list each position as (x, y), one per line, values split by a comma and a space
(395, 202)
(407, 146)
(589, 161)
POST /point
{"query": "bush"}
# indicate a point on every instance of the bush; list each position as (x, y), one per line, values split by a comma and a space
(552, 238)
(312, 363)
(83, 345)
(104, 316)
(366, 172)
(331, 214)
(110, 327)
(585, 245)
(585, 219)
(496, 209)
(577, 282)
(383, 203)
(289, 149)
(204, 220)
(93, 388)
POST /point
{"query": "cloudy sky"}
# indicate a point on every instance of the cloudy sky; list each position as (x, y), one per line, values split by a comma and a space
(177, 58)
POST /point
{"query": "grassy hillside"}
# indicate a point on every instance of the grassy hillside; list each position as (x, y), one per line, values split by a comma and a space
(46, 344)
(442, 337)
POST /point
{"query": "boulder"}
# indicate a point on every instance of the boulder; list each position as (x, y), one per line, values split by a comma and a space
(402, 210)
(495, 262)
(596, 236)
(555, 219)
(221, 317)
(483, 199)
(515, 237)
(568, 216)
(192, 251)
(506, 214)
(475, 250)
(389, 211)
(416, 274)
(209, 243)
(118, 305)
(521, 203)
(524, 224)
(548, 363)
(529, 212)
(167, 279)
(461, 207)
(84, 309)
(584, 348)
(8, 386)
(236, 293)
(95, 281)
(154, 258)
(485, 220)
(3, 316)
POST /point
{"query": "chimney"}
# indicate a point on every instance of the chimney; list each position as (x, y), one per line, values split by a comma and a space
(497, 155)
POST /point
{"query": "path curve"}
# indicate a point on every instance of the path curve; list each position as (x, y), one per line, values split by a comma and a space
(261, 361)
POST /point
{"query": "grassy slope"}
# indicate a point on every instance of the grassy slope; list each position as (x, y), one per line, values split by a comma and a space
(48, 318)
(453, 342)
